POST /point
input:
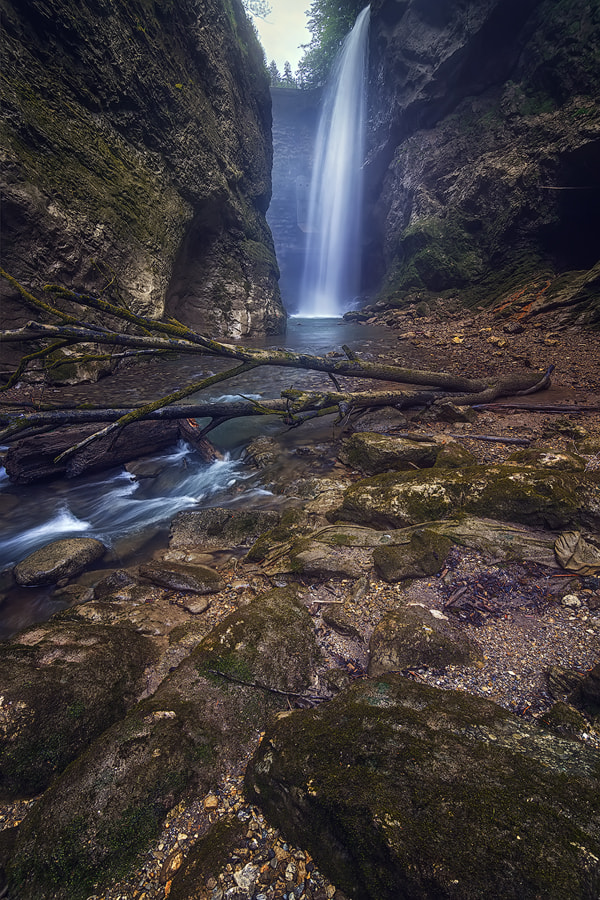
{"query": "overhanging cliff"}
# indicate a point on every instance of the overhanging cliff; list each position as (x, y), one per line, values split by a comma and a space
(136, 143)
(484, 158)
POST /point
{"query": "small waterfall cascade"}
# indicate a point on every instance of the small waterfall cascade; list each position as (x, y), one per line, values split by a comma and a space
(332, 263)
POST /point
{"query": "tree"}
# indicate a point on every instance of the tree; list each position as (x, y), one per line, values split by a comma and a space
(122, 333)
(288, 78)
(329, 22)
(274, 74)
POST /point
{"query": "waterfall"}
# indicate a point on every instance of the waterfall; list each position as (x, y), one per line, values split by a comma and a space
(332, 263)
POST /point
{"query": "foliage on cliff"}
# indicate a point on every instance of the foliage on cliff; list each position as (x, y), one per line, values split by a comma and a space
(329, 22)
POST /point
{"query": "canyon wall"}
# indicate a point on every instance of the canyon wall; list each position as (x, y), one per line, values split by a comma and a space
(484, 161)
(136, 147)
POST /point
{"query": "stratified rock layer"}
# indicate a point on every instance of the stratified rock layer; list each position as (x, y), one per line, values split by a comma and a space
(137, 147)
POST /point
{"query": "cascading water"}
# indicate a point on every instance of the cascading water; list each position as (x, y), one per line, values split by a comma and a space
(332, 268)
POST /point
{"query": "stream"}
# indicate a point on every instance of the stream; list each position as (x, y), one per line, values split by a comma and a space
(130, 513)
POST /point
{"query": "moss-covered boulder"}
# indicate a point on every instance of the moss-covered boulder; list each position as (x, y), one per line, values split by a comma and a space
(547, 458)
(219, 526)
(63, 684)
(547, 497)
(374, 453)
(92, 823)
(414, 636)
(57, 560)
(403, 790)
(453, 455)
(423, 555)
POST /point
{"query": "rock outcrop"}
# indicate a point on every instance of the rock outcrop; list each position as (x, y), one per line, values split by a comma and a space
(137, 147)
(403, 790)
(485, 152)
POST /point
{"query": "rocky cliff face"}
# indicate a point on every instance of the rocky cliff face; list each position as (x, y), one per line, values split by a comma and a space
(136, 144)
(485, 152)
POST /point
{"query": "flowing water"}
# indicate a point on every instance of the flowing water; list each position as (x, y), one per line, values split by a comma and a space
(130, 512)
(332, 264)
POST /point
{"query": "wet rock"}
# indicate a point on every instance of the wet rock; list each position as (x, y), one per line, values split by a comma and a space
(424, 554)
(181, 577)
(403, 790)
(546, 497)
(114, 583)
(336, 618)
(60, 559)
(374, 453)
(63, 684)
(547, 458)
(219, 527)
(415, 636)
(379, 421)
(262, 452)
(198, 725)
(453, 455)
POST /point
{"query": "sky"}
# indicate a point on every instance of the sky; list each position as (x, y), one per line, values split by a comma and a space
(283, 31)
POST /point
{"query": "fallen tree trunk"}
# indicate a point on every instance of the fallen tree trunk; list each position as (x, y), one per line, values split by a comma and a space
(149, 336)
(33, 458)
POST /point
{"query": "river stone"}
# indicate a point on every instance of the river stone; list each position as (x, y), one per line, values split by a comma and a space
(453, 455)
(316, 559)
(335, 616)
(180, 577)
(374, 453)
(219, 527)
(423, 555)
(90, 826)
(413, 636)
(547, 497)
(547, 458)
(380, 420)
(60, 559)
(63, 683)
(398, 789)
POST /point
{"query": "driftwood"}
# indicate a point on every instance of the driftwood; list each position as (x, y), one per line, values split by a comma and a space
(143, 336)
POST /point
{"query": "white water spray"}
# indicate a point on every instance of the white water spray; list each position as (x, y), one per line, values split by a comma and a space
(332, 264)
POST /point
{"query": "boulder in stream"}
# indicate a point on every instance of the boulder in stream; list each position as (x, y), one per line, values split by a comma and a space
(57, 560)
(399, 789)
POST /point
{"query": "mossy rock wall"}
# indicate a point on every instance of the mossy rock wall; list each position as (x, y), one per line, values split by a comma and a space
(485, 152)
(402, 790)
(137, 142)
